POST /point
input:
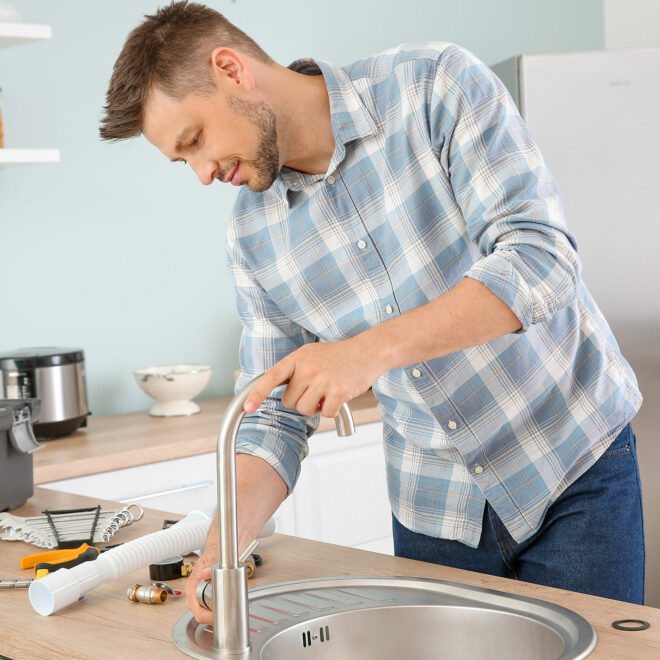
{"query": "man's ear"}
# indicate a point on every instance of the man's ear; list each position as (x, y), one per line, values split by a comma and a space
(230, 67)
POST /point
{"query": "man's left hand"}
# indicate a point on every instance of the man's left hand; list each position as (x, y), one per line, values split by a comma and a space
(321, 377)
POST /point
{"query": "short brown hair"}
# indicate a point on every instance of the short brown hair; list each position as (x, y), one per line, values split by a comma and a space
(171, 50)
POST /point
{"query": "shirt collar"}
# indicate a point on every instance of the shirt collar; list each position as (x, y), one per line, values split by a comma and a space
(350, 118)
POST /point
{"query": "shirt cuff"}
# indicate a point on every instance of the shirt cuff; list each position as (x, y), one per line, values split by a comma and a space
(283, 449)
(502, 278)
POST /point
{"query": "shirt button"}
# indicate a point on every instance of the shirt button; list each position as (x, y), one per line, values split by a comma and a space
(330, 179)
(478, 469)
(389, 309)
(362, 244)
(452, 425)
(416, 373)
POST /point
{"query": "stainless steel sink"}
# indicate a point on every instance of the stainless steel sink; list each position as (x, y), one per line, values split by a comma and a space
(381, 618)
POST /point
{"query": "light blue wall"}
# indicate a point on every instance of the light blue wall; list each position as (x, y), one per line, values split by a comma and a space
(120, 252)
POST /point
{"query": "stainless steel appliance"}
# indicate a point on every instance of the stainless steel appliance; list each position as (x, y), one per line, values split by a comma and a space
(57, 377)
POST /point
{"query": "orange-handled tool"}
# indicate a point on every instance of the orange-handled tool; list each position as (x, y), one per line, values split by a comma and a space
(45, 562)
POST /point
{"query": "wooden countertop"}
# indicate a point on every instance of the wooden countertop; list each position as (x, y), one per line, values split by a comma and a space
(121, 441)
(106, 626)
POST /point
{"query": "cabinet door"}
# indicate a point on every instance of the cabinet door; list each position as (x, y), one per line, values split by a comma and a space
(341, 496)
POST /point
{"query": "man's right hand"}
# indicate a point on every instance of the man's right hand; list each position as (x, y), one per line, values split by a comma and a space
(202, 571)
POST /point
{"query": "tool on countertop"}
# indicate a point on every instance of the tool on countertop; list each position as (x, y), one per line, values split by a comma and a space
(155, 593)
(171, 568)
(46, 562)
(16, 584)
(68, 528)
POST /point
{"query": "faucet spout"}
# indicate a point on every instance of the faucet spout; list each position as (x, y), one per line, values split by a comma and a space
(230, 602)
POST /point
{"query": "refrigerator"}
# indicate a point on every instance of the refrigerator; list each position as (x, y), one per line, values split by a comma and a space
(596, 118)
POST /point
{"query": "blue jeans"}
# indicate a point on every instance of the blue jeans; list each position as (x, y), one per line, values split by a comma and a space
(591, 539)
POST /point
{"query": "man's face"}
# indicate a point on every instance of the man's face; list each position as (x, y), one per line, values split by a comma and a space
(221, 137)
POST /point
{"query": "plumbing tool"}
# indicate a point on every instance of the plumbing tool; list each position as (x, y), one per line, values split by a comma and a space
(155, 593)
(68, 528)
(171, 568)
(147, 594)
(52, 560)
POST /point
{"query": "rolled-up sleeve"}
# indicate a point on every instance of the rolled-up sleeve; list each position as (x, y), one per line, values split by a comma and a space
(508, 197)
(277, 434)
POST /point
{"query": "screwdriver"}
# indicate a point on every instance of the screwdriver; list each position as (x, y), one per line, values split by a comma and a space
(45, 562)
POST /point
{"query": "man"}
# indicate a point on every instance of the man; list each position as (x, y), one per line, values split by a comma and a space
(398, 228)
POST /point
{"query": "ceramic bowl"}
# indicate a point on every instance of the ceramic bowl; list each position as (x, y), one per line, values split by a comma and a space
(173, 387)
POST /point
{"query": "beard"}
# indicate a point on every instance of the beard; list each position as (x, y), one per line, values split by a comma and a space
(267, 164)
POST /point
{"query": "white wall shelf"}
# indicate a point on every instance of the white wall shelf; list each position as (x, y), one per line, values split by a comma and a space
(13, 34)
(28, 156)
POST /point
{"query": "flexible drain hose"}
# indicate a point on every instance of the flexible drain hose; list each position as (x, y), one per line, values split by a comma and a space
(68, 585)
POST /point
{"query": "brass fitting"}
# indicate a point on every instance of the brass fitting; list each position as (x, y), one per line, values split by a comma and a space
(146, 594)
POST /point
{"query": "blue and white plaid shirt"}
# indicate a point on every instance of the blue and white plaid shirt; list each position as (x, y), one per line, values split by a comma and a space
(434, 178)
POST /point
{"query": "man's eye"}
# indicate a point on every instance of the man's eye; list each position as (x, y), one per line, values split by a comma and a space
(195, 141)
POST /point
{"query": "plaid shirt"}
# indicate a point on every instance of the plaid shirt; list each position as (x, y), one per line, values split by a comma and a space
(434, 178)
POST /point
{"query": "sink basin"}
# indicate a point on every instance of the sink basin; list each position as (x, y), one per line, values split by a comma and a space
(383, 618)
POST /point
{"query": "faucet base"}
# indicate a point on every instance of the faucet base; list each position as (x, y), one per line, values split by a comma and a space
(230, 609)
(196, 640)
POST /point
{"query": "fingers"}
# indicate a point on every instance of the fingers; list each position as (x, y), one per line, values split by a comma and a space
(308, 403)
(319, 380)
(275, 376)
(200, 572)
(330, 406)
(293, 392)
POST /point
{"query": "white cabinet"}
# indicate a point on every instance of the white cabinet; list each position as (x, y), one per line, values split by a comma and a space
(341, 496)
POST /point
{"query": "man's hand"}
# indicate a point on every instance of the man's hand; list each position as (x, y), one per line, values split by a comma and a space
(321, 377)
(202, 571)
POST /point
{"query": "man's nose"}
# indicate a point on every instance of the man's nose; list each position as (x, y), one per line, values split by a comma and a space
(205, 171)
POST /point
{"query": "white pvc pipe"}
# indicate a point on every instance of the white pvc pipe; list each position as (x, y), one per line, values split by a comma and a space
(68, 585)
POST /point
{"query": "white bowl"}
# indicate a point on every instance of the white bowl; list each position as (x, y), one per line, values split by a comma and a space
(173, 387)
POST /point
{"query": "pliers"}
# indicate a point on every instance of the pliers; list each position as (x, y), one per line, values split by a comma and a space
(45, 562)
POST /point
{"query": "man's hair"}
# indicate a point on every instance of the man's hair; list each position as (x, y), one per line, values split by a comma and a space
(170, 50)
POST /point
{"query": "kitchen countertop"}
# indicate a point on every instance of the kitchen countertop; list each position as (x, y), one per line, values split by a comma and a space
(106, 626)
(121, 441)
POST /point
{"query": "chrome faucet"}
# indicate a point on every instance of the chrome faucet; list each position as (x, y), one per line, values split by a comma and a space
(231, 632)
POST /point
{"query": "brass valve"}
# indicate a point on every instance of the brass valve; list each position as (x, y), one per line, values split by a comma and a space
(147, 594)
